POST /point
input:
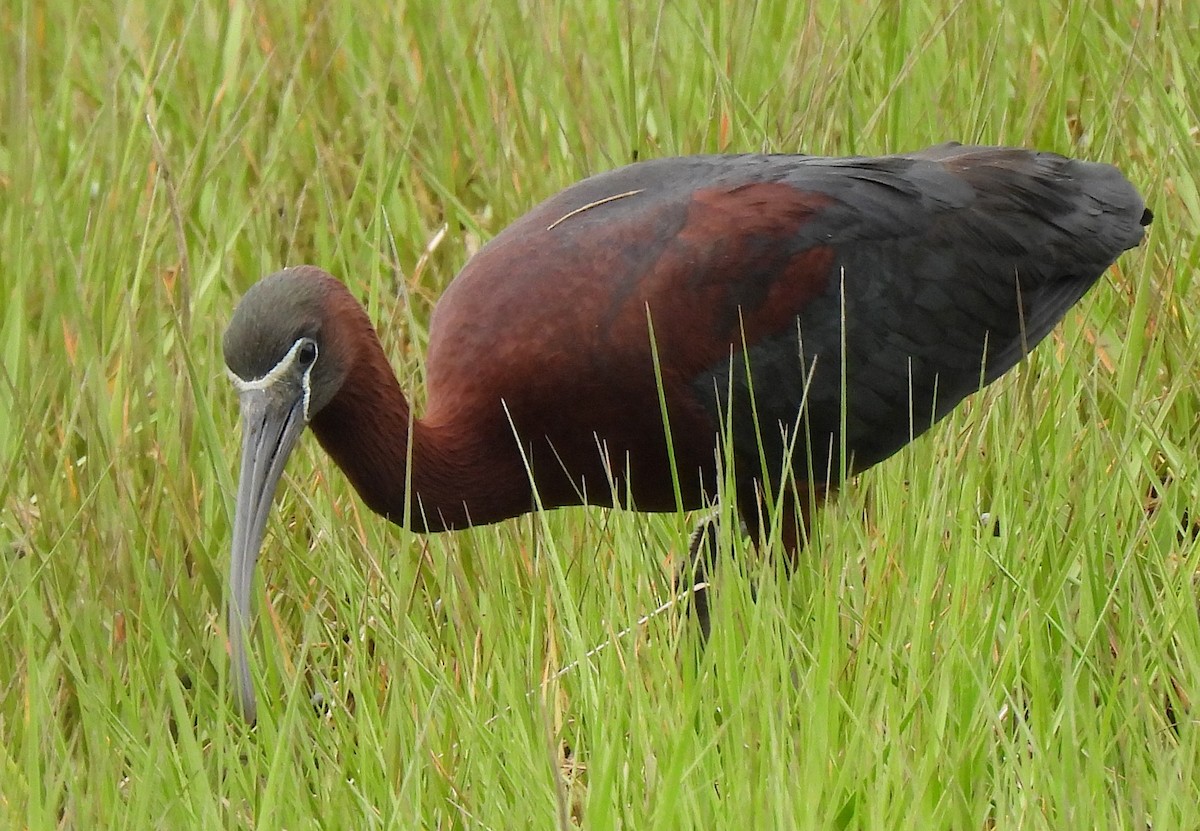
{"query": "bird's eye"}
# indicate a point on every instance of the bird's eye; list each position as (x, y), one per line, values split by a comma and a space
(307, 353)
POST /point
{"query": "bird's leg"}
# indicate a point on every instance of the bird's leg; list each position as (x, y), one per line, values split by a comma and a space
(693, 572)
(796, 507)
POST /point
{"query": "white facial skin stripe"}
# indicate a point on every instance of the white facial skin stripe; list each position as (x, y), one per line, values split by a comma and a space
(278, 371)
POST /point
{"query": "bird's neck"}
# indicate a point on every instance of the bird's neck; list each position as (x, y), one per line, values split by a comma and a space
(423, 477)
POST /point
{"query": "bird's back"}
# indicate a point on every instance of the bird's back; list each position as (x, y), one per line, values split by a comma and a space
(763, 281)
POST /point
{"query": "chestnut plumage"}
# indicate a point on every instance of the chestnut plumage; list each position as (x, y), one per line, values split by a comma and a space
(647, 328)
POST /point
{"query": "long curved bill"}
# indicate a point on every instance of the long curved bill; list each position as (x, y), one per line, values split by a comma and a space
(272, 421)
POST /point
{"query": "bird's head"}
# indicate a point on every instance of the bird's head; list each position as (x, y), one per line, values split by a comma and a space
(287, 355)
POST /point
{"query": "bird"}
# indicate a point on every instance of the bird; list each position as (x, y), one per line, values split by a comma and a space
(788, 320)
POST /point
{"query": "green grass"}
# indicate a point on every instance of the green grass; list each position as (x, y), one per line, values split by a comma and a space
(916, 671)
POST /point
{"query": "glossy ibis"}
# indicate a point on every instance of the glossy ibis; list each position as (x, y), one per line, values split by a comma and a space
(629, 337)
